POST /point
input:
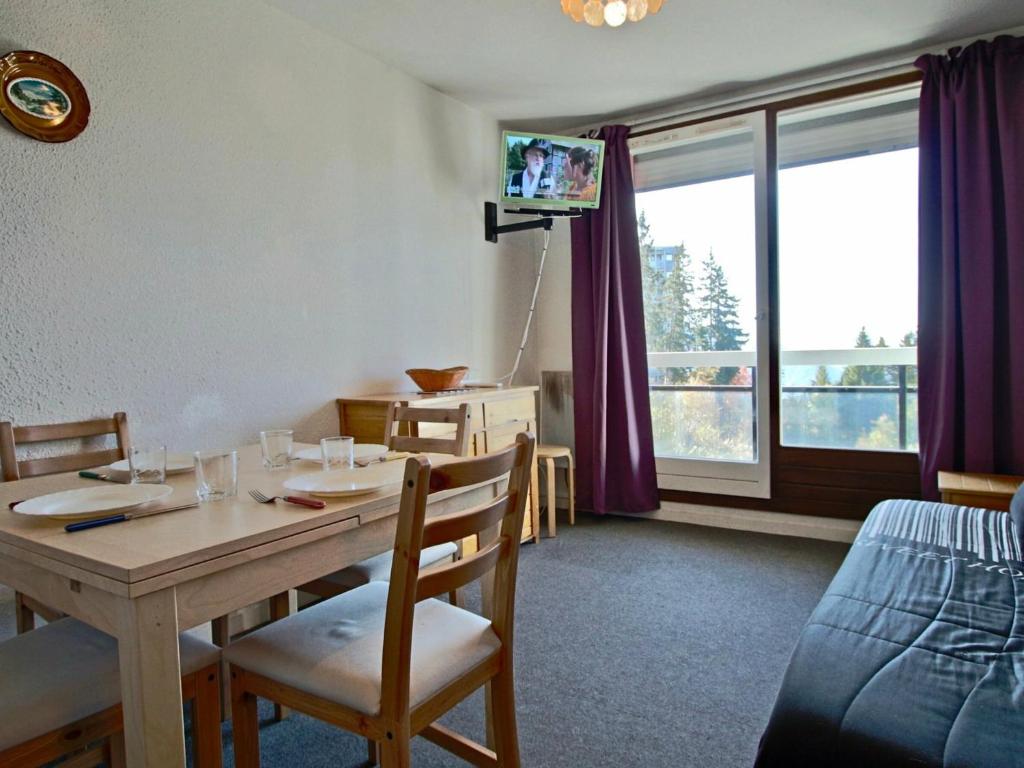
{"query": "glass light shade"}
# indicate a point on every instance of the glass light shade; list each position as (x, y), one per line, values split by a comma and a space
(593, 13)
(636, 9)
(615, 13)
(576, 10)
(653, 6)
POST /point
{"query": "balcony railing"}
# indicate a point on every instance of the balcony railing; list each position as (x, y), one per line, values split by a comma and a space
(900, 359)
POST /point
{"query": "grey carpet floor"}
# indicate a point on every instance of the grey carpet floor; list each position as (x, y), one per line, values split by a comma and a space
(638, 643)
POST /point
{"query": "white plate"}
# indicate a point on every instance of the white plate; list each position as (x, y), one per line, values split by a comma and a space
(93, 501)
(360, 451)
(177, 464)
(348, 482)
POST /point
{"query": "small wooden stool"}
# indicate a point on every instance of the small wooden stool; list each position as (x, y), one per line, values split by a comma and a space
(548, 454)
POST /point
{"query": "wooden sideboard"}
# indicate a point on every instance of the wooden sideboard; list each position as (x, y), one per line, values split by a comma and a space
(496, 417)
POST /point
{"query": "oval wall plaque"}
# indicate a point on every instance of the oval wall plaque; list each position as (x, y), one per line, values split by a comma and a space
(41, 97)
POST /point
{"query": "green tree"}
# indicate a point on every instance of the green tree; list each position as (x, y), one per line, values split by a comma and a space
(883, 436)
(718, 325)
(865, 375)
(653, 279)
(821, 378)
(680, 330)
(514, 156)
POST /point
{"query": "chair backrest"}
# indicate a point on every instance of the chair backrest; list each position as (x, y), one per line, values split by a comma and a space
(11, 437)
(414, 443)
(497, 558)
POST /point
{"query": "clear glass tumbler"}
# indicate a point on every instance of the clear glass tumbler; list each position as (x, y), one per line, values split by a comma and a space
(337, 452)
(148, 465)
(277, 447)
(216, 475)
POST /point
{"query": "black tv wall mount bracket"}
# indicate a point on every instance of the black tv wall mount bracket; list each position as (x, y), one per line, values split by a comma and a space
(492, 229)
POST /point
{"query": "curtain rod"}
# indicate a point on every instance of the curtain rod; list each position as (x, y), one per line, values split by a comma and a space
(784, 88)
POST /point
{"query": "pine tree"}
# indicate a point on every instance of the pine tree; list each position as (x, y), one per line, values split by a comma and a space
(680, 335)
(718, 323)
(865, 375)
(821, 378)
(653, 280)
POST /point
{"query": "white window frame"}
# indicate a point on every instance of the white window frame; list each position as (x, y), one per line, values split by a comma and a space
(735, 478)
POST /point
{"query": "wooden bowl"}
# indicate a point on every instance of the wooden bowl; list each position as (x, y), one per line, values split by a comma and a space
(433, 380)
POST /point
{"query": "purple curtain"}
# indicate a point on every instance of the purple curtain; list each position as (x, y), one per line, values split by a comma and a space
(971, 261)
(614, 443)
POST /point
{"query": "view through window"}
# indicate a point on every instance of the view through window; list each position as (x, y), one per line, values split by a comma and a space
(697, 260)
(847, 220)
(848, 275)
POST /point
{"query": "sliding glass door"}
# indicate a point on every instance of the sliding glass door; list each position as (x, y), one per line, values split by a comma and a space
(702, 209)
(842, 266)
(848, 273)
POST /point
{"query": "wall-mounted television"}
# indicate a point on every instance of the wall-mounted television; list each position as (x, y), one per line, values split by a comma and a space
(541, 170)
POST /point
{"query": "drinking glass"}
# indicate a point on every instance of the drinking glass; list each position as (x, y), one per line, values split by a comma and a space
(277, 447)
(148, 465)
(216, 474)
(337, 452)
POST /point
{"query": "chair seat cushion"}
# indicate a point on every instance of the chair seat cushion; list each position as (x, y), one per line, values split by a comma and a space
(64, 671)
(378, 568)
(334, 649)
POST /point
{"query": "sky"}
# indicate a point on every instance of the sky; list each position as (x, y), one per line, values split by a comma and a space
(847, 245)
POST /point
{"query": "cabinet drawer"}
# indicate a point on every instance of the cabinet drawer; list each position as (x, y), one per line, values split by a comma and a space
(509, 410)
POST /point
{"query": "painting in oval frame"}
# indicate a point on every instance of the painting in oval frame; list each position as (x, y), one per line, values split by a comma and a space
(41, 97)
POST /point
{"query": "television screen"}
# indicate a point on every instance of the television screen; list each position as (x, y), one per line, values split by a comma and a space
(553, 171)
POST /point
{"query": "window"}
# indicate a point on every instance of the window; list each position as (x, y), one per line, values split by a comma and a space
(848, 273)
(846, 312)
(701, 209)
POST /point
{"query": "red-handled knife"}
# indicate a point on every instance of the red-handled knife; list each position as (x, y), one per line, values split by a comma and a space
(302, 501)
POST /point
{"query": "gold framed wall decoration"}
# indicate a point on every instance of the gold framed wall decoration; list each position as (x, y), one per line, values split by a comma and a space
(41, 97)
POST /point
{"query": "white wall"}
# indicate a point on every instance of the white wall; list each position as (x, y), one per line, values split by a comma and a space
(257, 220)
(554, 330)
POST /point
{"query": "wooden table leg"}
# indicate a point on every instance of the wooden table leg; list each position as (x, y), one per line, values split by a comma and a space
(549, 470)
(534, 502)
(151, 681)
(280, 608)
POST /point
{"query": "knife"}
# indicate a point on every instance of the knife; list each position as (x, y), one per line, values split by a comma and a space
(123, 516)
(384, 457)
(89, 475)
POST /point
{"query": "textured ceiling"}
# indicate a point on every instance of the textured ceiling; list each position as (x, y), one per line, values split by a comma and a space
(523, 60)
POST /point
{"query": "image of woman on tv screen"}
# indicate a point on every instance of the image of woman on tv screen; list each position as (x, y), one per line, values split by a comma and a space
(579, 170)
(533, 180)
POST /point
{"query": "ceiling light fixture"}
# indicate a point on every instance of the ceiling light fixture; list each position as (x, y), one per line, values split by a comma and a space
(614, 13)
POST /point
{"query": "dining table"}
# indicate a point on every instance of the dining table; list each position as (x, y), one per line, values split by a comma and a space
(145, 580)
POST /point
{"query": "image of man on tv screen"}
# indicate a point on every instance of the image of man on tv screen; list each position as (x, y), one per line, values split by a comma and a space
(532, 181)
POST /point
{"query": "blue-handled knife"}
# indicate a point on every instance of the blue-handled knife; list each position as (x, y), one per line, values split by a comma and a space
(85, 525)
(90, 475)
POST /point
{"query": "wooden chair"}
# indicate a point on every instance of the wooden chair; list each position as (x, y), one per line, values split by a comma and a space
(378, 568)
(547, 455)
(61, 698)
(386, 660)
(12, 469)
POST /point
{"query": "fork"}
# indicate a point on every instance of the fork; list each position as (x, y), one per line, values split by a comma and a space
(302, 502)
